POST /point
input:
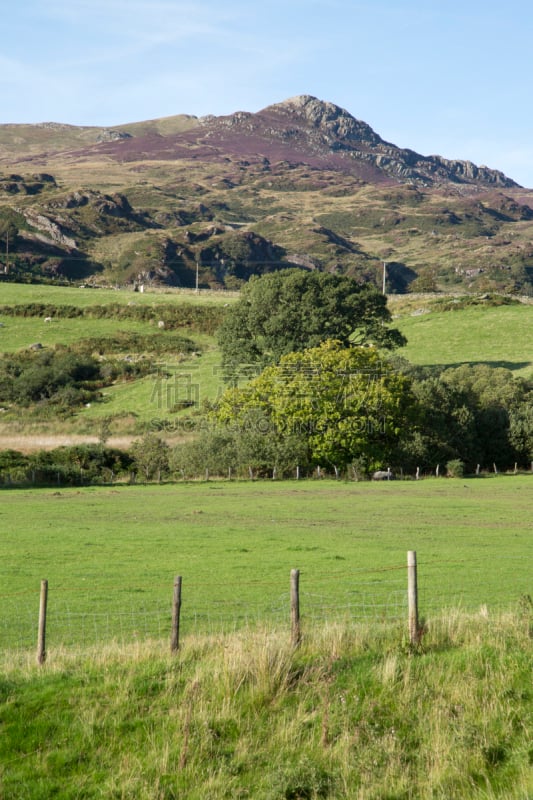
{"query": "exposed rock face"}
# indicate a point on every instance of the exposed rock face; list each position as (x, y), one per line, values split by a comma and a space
(108, 135)
(341, 132)
(17, 184)
(113, 205)
(332, 121)
(46, 230)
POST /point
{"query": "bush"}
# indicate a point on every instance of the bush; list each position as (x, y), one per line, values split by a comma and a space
(455, 468)
(151, 456)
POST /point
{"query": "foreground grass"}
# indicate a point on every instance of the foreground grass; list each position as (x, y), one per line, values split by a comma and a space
(351, 714)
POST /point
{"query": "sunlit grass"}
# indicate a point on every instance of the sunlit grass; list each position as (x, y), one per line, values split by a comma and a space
(353, 713)
(497, 336)
(110, 554)
(17, 294)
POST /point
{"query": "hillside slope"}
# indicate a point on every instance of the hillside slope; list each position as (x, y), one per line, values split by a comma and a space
(217, 199)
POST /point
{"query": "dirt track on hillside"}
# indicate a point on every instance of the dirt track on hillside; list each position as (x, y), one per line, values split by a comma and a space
(26, 443)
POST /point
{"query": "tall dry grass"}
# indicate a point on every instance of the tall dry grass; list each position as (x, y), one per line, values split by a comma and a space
(352, 713)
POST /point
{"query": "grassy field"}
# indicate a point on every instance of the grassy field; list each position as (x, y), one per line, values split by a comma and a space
(132, 403)
(502, 338)
(18, 333)
(353, 714)
(19, 293)
(499, 337)
(111, 554)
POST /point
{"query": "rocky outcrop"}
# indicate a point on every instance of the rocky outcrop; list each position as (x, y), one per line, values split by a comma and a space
(115, 205)
(333, 122)
(324, 129)
(17, 184)
(108, 135)
(46, 230)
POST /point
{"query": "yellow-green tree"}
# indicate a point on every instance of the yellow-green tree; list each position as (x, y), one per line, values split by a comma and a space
(347, 401)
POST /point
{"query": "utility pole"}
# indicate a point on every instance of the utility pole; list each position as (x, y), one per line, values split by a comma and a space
(384, 277)
(196, 287)
(6, 268)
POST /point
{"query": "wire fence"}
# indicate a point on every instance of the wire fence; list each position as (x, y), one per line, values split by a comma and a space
(80, 617)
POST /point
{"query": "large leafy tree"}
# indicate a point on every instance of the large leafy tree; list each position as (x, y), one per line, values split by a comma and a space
(292, 310)
(347, 401)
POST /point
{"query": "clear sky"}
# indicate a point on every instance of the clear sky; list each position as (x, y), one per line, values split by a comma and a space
(439, 76)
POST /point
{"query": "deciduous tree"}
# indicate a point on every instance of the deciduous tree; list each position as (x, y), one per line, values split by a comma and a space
(292, 310)
(347, 401)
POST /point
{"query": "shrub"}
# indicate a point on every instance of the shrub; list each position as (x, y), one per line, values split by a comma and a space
(455, 468)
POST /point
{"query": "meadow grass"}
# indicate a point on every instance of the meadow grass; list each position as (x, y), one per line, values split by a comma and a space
(18, 333)
(110, 554)
(498, 336)
(502, 338)
(352, 714)
(21, 293)
(147, 399)
(153, 399)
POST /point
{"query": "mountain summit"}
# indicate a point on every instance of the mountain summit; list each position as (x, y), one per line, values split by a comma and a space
(299, 130)
(331, 134)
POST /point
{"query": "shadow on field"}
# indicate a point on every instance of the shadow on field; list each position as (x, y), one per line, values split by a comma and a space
(511, 365)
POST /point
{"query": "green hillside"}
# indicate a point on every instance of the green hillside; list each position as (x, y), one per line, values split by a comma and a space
(499, 336)
(475, 332)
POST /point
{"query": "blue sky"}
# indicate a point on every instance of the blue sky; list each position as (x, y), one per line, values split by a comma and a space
(438, 76)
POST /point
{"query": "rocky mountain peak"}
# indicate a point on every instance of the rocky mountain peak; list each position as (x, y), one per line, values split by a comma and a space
(330, 119)
(330, 128)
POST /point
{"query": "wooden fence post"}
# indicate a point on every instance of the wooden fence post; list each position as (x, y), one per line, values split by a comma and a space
(41, 638)
(176, 608)
(412, 597)
(295, 608)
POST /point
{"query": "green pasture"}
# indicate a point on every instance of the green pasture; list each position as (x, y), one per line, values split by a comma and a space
(110, 554)
(498, 336)
(18, 333)
(153, 398)
(150, 398)
(21, 293)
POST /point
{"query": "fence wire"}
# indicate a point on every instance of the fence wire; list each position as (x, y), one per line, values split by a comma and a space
(108, 615)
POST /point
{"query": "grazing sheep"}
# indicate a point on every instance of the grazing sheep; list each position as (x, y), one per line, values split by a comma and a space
(383, 475)
(160, 324)
(48, 319)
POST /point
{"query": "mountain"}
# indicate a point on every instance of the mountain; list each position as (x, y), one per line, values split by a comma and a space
(299, 183)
